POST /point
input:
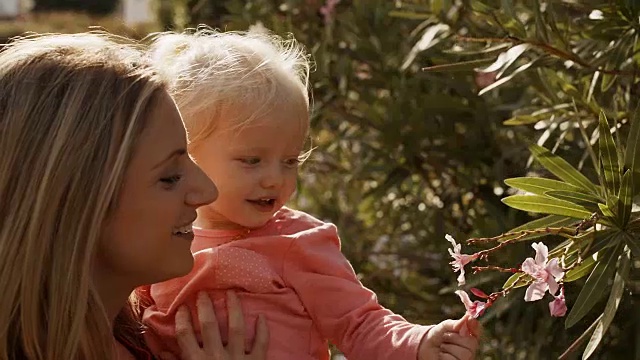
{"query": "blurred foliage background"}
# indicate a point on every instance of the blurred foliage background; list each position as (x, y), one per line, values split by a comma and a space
(405, 156)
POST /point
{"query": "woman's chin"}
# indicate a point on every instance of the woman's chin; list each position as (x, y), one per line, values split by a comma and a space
(179, 267)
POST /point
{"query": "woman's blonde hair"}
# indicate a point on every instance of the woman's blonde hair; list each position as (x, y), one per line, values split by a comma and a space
(241, 74)
(71, 110)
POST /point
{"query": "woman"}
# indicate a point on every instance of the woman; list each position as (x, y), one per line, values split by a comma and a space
(98, 196)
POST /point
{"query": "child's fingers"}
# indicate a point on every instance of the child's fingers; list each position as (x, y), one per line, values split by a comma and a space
(209, 325)
(456, 351)
(468, 342)
(445, 356)
(461, 323)
(450, 325)
(464, 330)
(261, 341)
(236, 326)
(184, 333)
(474, 327)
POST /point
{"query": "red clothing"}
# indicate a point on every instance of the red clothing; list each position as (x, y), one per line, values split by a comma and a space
(292, 271)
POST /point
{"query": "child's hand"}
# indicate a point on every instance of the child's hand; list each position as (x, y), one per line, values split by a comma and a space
(451, 340)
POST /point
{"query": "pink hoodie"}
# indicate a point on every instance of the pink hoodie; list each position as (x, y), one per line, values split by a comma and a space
(292, 271)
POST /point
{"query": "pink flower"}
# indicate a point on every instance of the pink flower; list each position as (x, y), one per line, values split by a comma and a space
(545, 273)
(558, 307)
(459, 260)
(475, 308)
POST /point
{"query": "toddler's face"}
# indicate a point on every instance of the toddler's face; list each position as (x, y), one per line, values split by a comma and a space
(254, 167)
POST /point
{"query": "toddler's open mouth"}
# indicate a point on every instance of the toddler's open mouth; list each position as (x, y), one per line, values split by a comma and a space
(263, 204)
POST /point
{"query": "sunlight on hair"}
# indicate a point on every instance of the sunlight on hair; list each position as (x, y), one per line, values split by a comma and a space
(71, 110)
(247, 74)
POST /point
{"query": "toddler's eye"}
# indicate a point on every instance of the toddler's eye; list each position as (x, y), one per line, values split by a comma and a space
(250, 160)
(293, 162)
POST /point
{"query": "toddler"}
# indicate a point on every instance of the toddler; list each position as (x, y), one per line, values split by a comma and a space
(244, 101)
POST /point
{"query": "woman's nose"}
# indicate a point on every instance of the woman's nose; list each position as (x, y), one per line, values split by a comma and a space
(204, 191)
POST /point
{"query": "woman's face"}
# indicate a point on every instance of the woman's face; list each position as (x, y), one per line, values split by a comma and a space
(148, 237)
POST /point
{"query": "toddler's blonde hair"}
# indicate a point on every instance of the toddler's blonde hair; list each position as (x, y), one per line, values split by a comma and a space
(215, 75)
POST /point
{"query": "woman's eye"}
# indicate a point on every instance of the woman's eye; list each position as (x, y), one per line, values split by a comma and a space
(171, 180)
(250, 161)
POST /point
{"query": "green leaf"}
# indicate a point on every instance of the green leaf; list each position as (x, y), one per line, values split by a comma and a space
(632, 153)
(539, 186)
(608, 155)
(545, 205)
(546, 221)
(561, 248)
(541, 27)
(521, 120)
(579, 198)
(506, 7)
(430, 37)
(620, 52)
(478, 6)
(470, 65)
(578, 342)
(562, 169)
(410, 15)
(581, 270)
(633, 242)
(612, 306)
(506, 79)
(626, 199)
(519, 235)
(513, 279)
(593, 287)
(602, 239)
(607, 81)
(537, 115)
(552, 22)
(507, 58)
(606, 211)
(612, 203)
(486, 50)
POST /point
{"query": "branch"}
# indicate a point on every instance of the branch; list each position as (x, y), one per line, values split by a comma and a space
(565, 231)
(477, 269)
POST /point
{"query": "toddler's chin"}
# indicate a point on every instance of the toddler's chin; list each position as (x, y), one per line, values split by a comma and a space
(256, 223)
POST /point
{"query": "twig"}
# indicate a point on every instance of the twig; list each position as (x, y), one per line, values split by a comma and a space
(504, 292)
(477, 269)
(566, 231)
